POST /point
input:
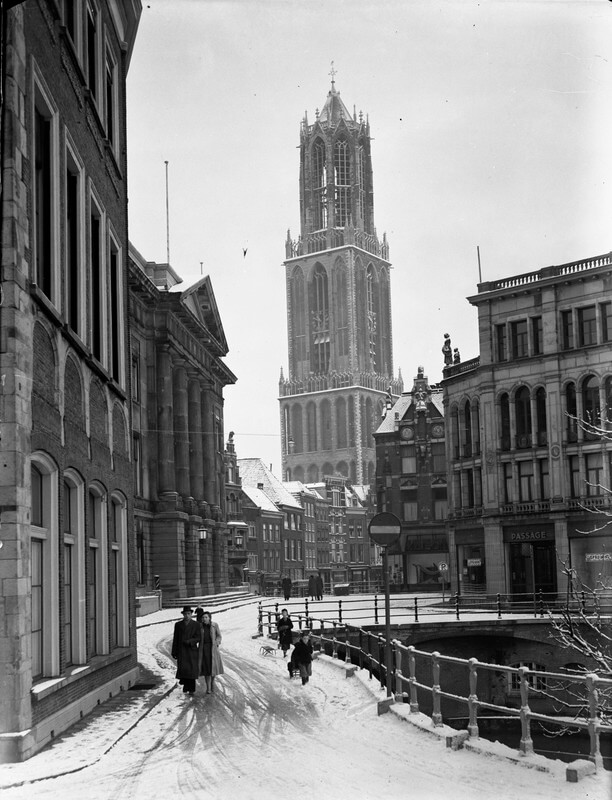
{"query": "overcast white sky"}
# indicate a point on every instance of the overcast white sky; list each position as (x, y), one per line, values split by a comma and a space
(491, 124)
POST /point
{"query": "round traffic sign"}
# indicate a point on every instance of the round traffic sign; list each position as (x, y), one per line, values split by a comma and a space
(384, 528)
(443, 567)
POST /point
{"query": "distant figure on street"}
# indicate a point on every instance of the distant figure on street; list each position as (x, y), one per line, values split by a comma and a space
(284, 625)
(211, 664)
(286, 584)
(312, 587)
(186, 650)
(301, 658)
(319, 586)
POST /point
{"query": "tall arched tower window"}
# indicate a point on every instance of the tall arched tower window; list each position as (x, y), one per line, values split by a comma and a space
(319, 309)
(342, 324)
(298, 319)
(371, 295)
(319, 181)
(342, 180)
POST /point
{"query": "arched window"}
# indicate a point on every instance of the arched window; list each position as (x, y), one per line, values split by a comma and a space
(73, 523)
(298, 319)
(118, 572)
(467, 430)
(367, 422)
(351, 421)
(326, 426)
(44, 567)
(608, 400)
(372, 315)
(591, 409)
(342, 325)
(341, 423)
(311, 426)
(342, 180)
(571, 411)
(319, 307)
(319, 181)
(455, 432)
(541, 423)
(313, 474)
(476, 428)
(97, 573)
(296, 428)
(504, 421)
(342, 469)
(522, 405)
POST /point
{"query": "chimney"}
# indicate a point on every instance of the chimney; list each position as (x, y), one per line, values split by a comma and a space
(260, 486)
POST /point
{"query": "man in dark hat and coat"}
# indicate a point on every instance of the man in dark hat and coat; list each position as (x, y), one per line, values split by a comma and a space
(186, 650)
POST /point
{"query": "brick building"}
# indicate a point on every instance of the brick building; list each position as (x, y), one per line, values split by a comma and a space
(411, 483)
(524, 476)
(67, 634)
(338, 307)
(178, 377)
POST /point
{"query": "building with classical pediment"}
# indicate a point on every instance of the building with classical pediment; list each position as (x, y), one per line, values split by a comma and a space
(178, 441)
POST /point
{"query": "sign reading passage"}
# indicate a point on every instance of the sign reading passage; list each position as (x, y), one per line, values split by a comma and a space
(384, 528)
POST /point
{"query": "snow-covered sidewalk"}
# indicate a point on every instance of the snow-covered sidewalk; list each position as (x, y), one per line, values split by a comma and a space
(262, 734)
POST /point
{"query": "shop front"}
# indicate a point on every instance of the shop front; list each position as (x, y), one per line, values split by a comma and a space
(532, 559)
(471, 564)
(591, 556)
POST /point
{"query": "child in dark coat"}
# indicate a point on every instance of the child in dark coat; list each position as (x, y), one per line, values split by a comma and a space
(284, 626)
(301, 658)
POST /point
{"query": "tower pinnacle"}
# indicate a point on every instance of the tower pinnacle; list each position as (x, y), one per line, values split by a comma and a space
(333, 72)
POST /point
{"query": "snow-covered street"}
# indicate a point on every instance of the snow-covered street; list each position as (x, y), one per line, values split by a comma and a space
(263, 735)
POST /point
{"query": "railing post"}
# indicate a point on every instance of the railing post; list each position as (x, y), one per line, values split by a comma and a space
(360, 648)
(376, 609)
(321, 631)
(306, 607)
(347, 655)
(595, 752)
(334, 645)
(416, 609)
(300, 621)
(382, 662)
(399, 678)
(340, 611)
(269, 623)
(414, 698)
(457, 605)
(526, 745)
(436, 715)
(473, 699)
(535, 607)
(370, 654)
(276, 609)
(259, 619)
(498, 605)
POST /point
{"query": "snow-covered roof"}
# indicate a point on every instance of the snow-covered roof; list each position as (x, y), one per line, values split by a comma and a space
(253, 472)
(260, 499)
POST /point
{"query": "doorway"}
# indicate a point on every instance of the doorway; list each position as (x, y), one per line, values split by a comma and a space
(532, 568)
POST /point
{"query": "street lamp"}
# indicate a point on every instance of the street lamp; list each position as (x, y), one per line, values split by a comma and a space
(384, 529)
(203, 533)
(238, 540)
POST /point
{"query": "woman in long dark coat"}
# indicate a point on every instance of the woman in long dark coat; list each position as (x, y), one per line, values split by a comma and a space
(211, 664)
(284, 626)
(312, 587)
(186, 650)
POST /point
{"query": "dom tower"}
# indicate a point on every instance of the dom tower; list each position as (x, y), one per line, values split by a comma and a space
(338, 306)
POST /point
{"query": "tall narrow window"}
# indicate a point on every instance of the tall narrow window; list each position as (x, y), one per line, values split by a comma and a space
(372, 318)
(571, 411)
(525, 481)
(541, 416)
(590, 400)
(361, 187)
(467, 430)
(500, 335)
(574, 475)
(92, 49)
(342, 180)
(43, 199)
(320, 321)
(110, 107)
(594, 474)
(606, 322)
(567, 330)
(544, 478)
(319, 184)
(116, 317)
(138, 465)
(298, 320)
(508, 482)
(522, 406)
(518, 330)
(342, 325)
(97, 576)
(74, 226)
(68, 573)
(97, 298)
(504, 413)
(587, 326)
(536, 335)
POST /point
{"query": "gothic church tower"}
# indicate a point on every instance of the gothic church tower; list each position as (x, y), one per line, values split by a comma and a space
(338, 306)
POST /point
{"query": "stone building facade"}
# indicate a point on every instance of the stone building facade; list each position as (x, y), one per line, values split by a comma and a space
(338, 307)
(411, 483)
(178, 377)
(67, 633)
(524, 474)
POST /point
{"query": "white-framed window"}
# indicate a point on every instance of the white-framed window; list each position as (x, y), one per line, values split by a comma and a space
(44, 567)
(93, 30)
(535, 682)
(73, 542)
(111, 100)
(45, 189)
(118, 573)
(74, 239)
(97, 573)
(73, 22)
(116, 326)
(97, 280)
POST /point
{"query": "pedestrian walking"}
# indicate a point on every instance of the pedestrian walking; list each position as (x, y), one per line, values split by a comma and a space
(284, 625)
(319, 586)
(312, 586)
(211, 663)
(286, 584)
(301, 658)
(186, 645)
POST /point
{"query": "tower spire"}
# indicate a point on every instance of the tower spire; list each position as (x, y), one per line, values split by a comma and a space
(333, 72)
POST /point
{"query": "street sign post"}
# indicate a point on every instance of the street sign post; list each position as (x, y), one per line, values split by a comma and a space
(443, 567)
(384, 530)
